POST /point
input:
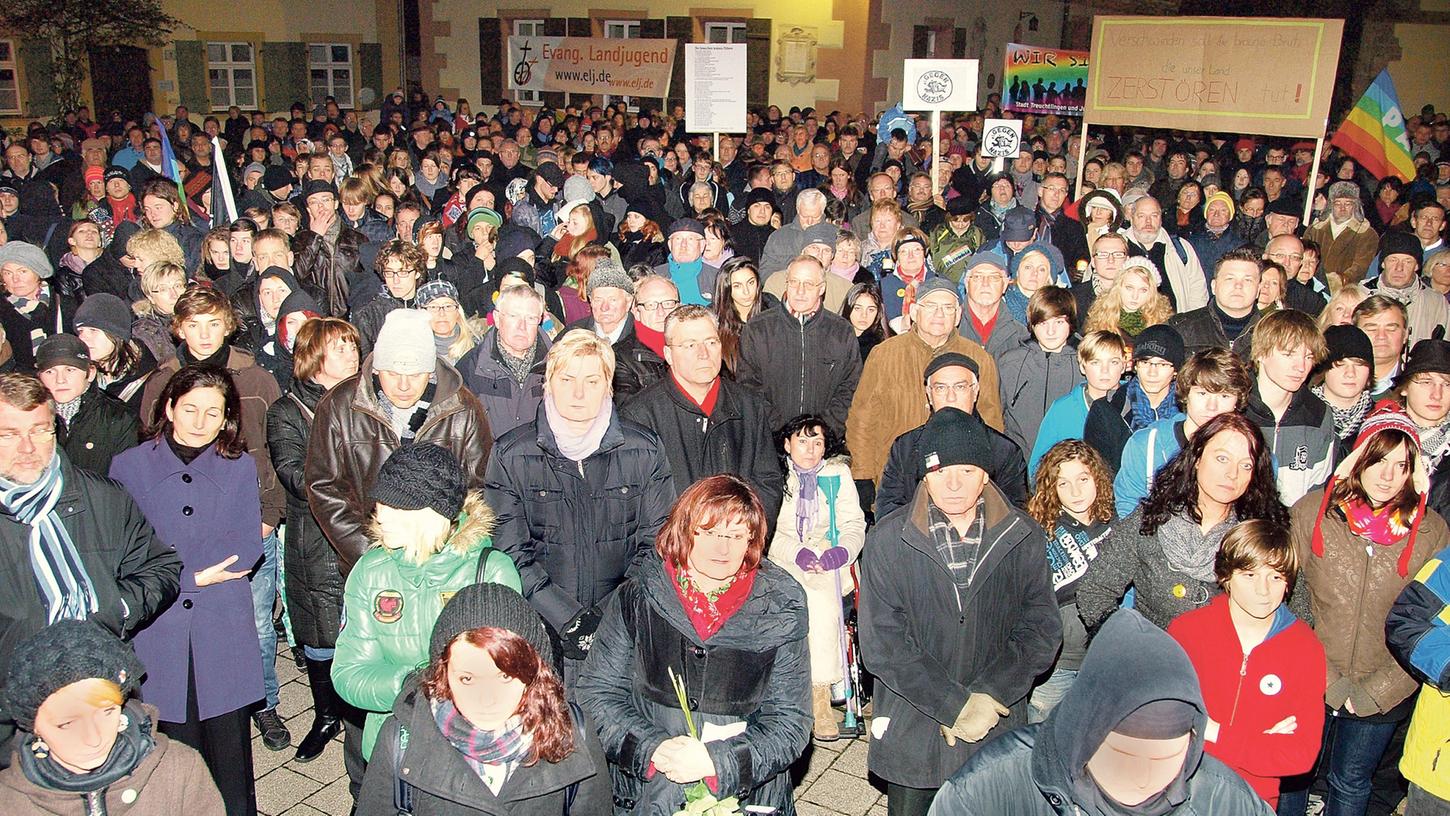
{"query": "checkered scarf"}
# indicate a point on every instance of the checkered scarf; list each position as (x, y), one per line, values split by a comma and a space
(961, 552)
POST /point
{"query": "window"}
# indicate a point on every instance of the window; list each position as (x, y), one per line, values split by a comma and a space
(621, 30)
(9, 84)
(231, 75)
(931, 42)
(330, 68)
(725, 33)
(528, 28)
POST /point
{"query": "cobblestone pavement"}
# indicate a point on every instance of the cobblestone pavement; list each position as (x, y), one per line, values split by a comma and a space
(831, 776)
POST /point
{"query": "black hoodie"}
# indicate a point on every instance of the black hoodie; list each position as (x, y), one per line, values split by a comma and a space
(1041, 770)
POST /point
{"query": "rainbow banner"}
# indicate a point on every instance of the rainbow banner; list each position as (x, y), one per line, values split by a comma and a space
(1374, 132)
(1044, 80)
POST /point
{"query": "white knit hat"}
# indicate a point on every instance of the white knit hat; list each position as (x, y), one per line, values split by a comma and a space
(405, 344)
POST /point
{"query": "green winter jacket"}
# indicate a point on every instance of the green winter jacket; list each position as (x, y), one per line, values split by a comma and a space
(390, 606)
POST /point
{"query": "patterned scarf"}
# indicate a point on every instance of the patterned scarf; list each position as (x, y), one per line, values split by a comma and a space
(406, 421)
(60, 576)
(708, 611)
(1132, 323)
(26, 305)
(962, 553)
(508, 746)
(1348, 420)
(1141, 412)
(518, 367)
(1383, 528)
(1434, 442)
(807, 498)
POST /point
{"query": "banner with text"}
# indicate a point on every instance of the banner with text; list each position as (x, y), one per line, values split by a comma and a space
(1271, 76)
(1044, 80)
(591, 65)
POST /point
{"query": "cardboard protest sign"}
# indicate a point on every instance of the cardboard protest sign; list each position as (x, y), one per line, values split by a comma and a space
(591, 65)
(1271, 76)
(1044, 80)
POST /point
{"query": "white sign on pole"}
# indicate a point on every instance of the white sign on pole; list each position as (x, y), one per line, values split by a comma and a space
(1001, 138)
(714, 88)
(940, 84)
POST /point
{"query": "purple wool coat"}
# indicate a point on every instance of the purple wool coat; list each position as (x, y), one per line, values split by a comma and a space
(207, 511)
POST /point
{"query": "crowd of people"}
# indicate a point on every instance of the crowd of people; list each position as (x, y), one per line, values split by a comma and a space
(590, 471)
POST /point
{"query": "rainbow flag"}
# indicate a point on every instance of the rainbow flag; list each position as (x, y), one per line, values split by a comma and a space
(168, 159)
(1374, 132)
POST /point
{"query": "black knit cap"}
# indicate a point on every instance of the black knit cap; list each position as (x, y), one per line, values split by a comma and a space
(421, 475)
(954, 437)
(1395, 242)
(65, 652)
(315, 186)
(1161, 341)
(1347, 342)
(496, 605)
(106, 312)
(1429, 356)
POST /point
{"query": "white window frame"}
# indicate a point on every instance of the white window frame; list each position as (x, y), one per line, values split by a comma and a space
(332, 66)
(622, 30)
(931, 42)
(231, 66)
(732, 33)
(528, 28)
(12, 65)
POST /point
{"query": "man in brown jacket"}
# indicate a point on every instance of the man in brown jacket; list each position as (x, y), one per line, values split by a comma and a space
(1347, 243)
(887, 403)
(402, 394)
(204, 319)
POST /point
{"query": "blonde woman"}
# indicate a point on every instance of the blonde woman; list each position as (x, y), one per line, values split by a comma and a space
(1340, 309)
(431, 537)
(1132, 303)
(162, 283)
(454, 334)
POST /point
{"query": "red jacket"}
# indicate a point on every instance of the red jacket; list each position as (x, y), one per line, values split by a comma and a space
(1248, 694)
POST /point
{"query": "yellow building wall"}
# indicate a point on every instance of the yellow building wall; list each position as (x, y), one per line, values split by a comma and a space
(460, 64)
(1421, 72)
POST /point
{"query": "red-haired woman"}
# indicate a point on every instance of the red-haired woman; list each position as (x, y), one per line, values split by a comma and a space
(732, 627)
(484, 727)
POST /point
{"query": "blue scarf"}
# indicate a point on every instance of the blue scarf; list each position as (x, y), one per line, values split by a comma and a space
(1141, 411)
(1015, 303)
(687, 279)
(60, 576)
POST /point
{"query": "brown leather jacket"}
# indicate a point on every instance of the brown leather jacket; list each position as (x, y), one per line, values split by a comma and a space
(257, 389)
(351, 437)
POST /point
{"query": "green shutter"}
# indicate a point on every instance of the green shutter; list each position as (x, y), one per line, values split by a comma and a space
(284, 75)
(191, 74)
(370, 74)
(491, 55)
(39, 92)
(681, 30)
(757, 62)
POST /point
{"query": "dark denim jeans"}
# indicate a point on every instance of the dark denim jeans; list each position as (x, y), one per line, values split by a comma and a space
(1352, 749)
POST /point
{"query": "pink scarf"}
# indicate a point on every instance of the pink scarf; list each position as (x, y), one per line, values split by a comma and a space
(578, 447)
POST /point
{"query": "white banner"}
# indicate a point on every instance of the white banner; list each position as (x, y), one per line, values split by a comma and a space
(940, 84)
(1001, 138)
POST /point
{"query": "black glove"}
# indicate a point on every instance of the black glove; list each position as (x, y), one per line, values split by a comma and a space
(578, 634)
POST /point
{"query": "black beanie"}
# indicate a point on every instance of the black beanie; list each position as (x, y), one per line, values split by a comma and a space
(108, 313)
(65, 652)
(421, 475)
(1401, 243)
(948, 360)
(953, 437)
(1161, 341)
(1347, 342)
(496, 605)
(1158, 720)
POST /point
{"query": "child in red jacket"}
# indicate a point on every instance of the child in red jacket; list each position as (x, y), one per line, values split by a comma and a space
(1262, 670)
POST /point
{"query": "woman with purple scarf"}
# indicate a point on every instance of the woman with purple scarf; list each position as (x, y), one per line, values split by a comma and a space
(818, 535)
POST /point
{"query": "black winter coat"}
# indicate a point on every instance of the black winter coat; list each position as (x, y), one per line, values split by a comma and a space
(314, 581)
(101, 428)
(636, 366)
(931, 645)
(444, 784)
(1201, 329)
(905, 469)
(576, 536)
(755, 671)
(734, 438)
(799, 366)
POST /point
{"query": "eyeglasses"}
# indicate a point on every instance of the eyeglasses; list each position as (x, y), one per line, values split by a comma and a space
(1286, 256)
(1429, 381)
(959, 389)
(712, 535)
(1055, 189)
(398, 274)
(1110, 256)
(656, 305)
(695, 345)
(802, 285)
(10, 439)
(937, 308)
(442, 308)
(1153, 364)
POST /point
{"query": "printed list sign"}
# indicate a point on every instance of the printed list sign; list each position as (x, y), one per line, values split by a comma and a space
(1272, 76)
(714, 88)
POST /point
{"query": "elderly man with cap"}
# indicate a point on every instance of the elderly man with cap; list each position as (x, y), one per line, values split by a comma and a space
(1127, 739)
(803, 358)
(505, 369)
(91, 426)
(329, 254)
(402, 394)
(1347, 242)
(951, 382)
(1001, 199)
(685, 265)
(787, 242)
(1184, 282)
(958, 616)
(611, 296)
(820, 243)
(1146, 397)
(1212, 238)
(882, 409)
(32, 308)
(1400, 258)
(984, 320)
(955, 240)
(537, 209)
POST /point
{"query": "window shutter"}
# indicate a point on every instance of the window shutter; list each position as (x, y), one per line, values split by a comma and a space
(580, 27)
(370, 74)
(191, 75)
(491, 51)
(918, 41)
(39, 92)
(681, 30)
(959, 43)
(652, 30)
(284, 72)
(555, 27)
(757, 59)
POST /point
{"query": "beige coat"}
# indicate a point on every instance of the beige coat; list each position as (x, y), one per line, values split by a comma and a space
(823, 597)
(1345, 259)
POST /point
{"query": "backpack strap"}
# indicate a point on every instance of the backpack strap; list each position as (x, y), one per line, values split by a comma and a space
(483, 557)
(402, 789)
(572, 792)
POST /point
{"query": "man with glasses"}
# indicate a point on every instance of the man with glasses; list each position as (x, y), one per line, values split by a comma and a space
(1302, 290)
(73, 545)
(1347, 242)
(1058, 228)
(707, 424)
(984, 321)
(505, 369)
(640, 355)
(401, 266)
(1148, 396)
(804, 359)
(1110, 252)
